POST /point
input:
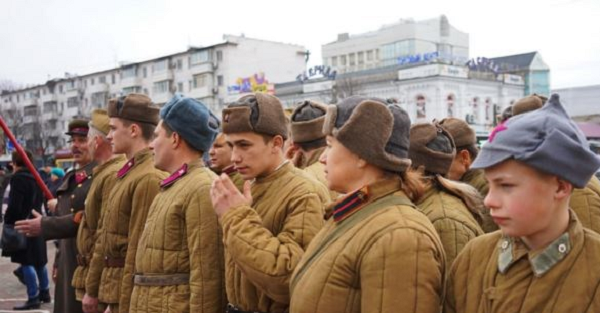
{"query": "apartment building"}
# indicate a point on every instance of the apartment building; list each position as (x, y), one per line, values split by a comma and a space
(214, 74)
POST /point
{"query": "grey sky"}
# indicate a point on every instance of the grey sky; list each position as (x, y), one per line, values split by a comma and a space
(46, 38)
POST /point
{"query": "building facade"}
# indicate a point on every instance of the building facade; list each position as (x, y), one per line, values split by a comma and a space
(582, 103)
(214, 74)
(399, 42)
(425, 91)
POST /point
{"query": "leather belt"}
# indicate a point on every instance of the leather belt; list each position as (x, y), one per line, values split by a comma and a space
(161, 280)
(233, 309)
(82, 260)
(114, 262)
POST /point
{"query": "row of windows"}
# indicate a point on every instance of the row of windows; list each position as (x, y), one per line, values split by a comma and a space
(354, 58)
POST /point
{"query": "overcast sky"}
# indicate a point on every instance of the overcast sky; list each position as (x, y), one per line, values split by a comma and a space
(46, 38)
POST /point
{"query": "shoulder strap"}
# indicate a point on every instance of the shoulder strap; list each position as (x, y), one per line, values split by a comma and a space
(346, 225)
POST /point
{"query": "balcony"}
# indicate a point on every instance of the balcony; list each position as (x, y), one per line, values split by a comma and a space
(202, 92)
(164, 75)
(30, 101)
(99, 87)
(161, 98)
(52, 115)
(206, 67)
(48, 97)
(30, 119)
(130, 81)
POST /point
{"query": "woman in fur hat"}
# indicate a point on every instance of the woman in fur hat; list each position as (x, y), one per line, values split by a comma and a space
(454, 208)
(374, 237)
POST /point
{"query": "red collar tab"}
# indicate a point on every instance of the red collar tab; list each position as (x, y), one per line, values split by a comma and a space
(174, 177)
(81, 176)
(230, 170)
(350, 204)
(126, 168)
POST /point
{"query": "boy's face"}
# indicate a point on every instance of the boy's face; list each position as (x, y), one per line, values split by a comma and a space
(253, 157)
(522, 200)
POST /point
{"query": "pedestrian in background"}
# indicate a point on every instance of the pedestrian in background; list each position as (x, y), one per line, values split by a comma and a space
(25, 195)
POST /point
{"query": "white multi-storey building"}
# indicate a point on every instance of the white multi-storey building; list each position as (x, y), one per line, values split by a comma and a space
(214, 74)
(403, 39)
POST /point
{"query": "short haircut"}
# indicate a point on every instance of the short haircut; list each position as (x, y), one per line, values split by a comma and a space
(147, 128)
(18, 159)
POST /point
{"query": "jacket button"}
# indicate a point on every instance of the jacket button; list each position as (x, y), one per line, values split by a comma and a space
(72, 196)
(79, 186)
(505, 244)
(562, 248)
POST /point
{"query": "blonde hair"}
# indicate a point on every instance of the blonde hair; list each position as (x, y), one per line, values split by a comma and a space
(467, 193)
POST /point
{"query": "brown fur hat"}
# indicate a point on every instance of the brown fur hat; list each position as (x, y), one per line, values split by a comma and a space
(460, 131)
(307, 121)
(529, 103)
(259, 113)
(134, 107)
(377, 132)
(423, 152)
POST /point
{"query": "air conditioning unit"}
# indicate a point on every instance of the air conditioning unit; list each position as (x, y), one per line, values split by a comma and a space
(215, 90)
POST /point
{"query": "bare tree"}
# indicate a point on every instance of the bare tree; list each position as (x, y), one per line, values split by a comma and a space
(346, 87)
(8, 86)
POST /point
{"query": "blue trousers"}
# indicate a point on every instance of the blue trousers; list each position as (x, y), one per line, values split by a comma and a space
(32, 275)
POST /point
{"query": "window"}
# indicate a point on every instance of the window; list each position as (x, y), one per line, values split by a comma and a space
(160, 66)
(99, 99)
(199, 57)
(50, 107)
(145, 72)
(102, 80)
(343, 60)
(128, 90)
(84, 83)
(112, 79)
(128, 72)
(219, 56)
(361, 58)
(72, 102)
(160, 87)
(450, 102)
(30, 110)
(179, 64)
(421, 107)
(92, 81)
(200, 81)
(70, 85)
(370, 55)
(220, 80)
(351, 58)
(333, 61)
(180, 87)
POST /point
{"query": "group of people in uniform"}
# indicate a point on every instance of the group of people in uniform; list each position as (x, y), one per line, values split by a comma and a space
(336, 208)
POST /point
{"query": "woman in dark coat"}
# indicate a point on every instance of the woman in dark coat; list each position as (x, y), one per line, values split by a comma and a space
(24, 196)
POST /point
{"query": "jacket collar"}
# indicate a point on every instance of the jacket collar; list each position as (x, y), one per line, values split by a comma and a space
(230, 170)
(281, 170)
(355, 201)
(139, 157)
(472, 174)
(314, 158)
(178, 174)
(542, 260)
(116, 159)
(79, 176)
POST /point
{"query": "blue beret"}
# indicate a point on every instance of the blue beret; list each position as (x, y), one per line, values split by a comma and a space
(191, 120)
(545, 139)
